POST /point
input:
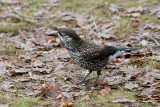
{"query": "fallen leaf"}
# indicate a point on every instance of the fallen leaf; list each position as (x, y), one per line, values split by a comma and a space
(105, 91)
(123, 101)
(17, 71)
(131, 86)
(7, 86)
(66, 102)
(113, 80)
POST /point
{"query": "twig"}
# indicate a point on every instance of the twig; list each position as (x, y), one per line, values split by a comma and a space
(94, 21)
(154, 41)
(22, 34)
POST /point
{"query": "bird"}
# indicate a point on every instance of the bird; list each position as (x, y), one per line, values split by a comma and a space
(88, 55)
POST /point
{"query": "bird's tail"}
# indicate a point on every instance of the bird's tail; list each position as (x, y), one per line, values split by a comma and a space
(128, 49)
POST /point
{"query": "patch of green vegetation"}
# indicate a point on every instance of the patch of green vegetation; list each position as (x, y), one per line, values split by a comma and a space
(110, 1)
(150, 18)
(1, 79)
(34, 5)
(137, 61)
(11, 28)
(27, 12)
(136, 81)
(151, 1)
(130, 3)
(147, 105)
(143, 62)
(155, 64)
(5, 5)
(57, 22)
(27, 102)
(81, 6)
(5, 98)
(19, 85)
(1, 39)
(10, 50)
(123, 25)
(98, 100)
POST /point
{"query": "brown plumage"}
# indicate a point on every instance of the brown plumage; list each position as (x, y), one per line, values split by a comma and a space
(87, 55)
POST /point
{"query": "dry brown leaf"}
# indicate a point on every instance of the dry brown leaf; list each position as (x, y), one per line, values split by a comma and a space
(123, 101)
(105, 91)
(113, 80)
(66, 102)
(18, 71)
(131, 86)
(7, 86)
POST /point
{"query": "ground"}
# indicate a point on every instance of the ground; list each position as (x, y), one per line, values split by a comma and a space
(37, 71)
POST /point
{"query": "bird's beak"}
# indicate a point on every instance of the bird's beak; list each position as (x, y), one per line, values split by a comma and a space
(53, 34)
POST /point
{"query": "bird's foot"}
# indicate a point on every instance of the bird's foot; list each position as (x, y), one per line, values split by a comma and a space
(81, 82)
(94, 85)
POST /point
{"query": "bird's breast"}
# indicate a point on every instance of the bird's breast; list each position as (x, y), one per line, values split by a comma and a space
(80, 59)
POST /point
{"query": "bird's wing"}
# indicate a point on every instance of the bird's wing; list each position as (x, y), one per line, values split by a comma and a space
(100, 53)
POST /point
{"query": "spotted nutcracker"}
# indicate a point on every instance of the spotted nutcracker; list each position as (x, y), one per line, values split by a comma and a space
(85, 54)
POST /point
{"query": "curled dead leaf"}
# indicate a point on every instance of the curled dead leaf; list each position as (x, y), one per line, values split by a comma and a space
(66, 102)
(105, 91)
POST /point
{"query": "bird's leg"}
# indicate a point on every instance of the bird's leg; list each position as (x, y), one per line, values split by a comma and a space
(84, 79)
(98, 74)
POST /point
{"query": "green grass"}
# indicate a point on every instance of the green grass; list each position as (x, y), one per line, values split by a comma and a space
(97, 99)
(11, 28)
(2, 79)
(147, 105)
(151, 1)
(155, 64)
(5, 5)
(28, 102)
(130, 3)
(137, 61)
(34, 5)
(144, 62)
(123, 25)
(1, 39)
(147, 18)
(10, 50)
(79, 6)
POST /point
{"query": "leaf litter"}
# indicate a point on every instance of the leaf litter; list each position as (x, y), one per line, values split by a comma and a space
(44, 67)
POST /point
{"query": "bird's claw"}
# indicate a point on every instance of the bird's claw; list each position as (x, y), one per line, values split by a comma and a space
(81, 82)
(94, 85)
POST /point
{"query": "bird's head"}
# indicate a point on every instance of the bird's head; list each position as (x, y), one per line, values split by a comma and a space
(67, 36)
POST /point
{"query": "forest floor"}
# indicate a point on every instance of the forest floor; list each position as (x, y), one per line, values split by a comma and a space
(35, 71)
